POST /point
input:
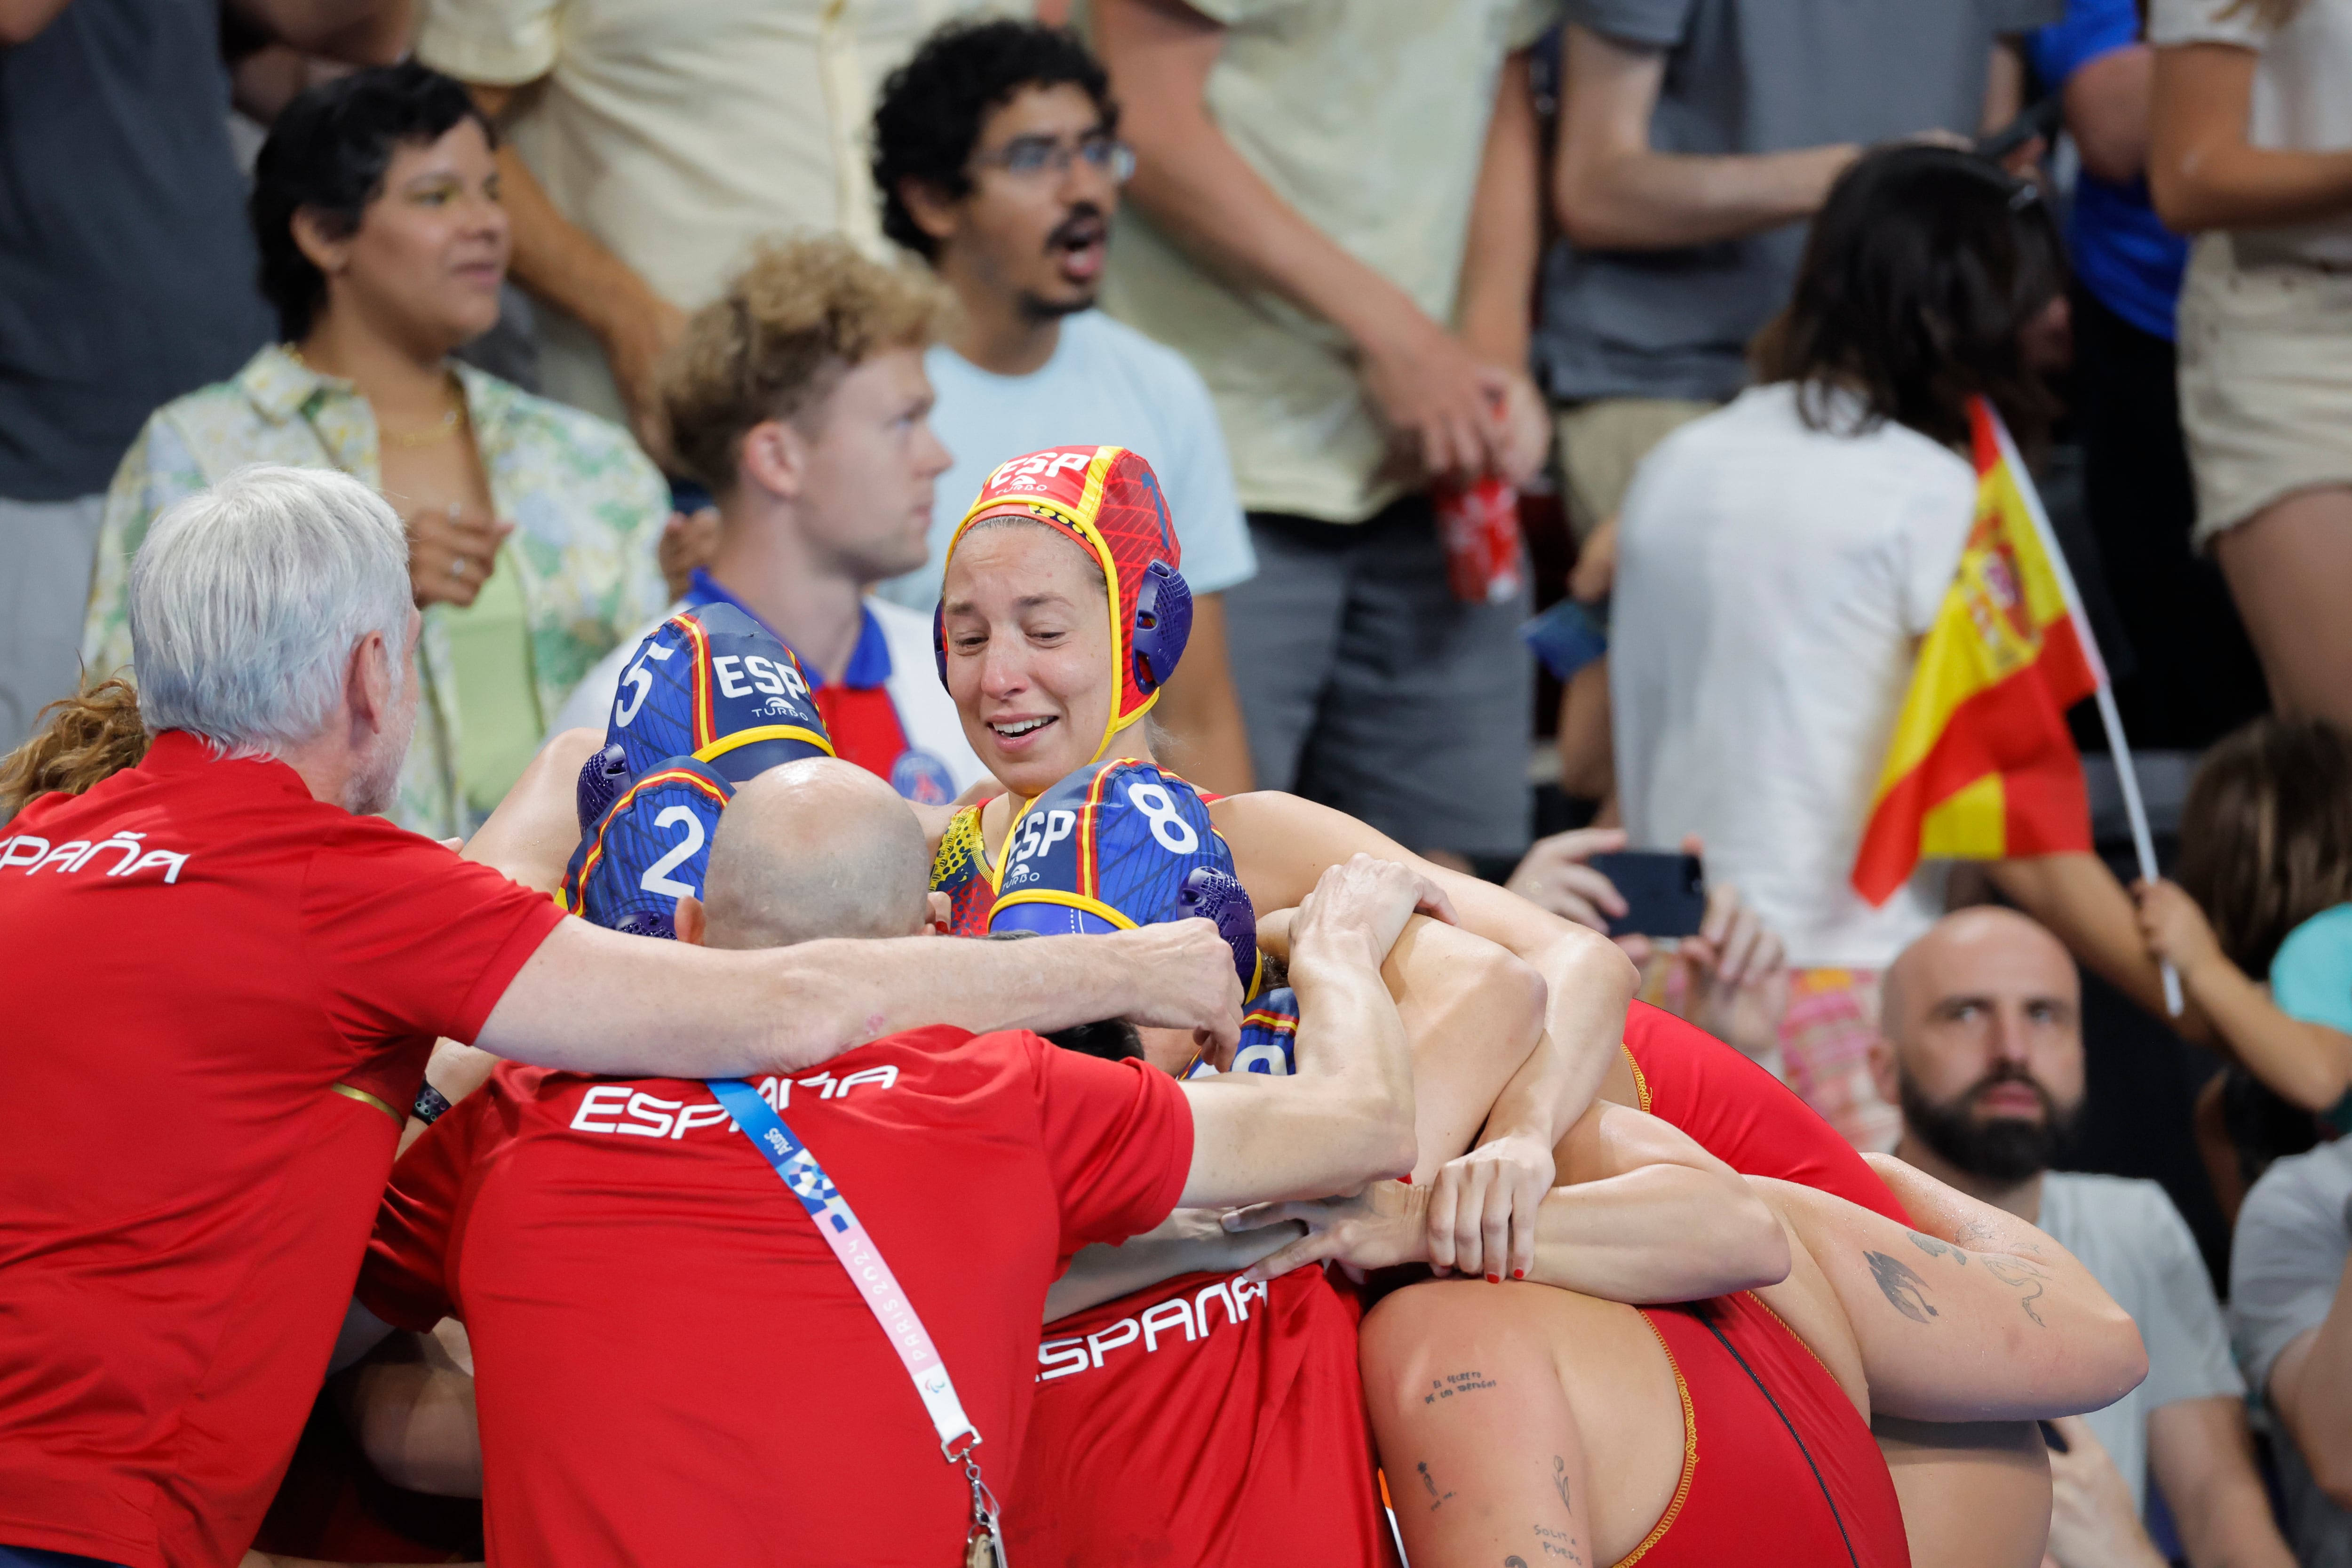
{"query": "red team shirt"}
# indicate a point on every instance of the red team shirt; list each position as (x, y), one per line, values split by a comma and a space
(674, 1368)
(219, 989)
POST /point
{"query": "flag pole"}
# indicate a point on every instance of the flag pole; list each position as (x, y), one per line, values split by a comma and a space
(2135, 809)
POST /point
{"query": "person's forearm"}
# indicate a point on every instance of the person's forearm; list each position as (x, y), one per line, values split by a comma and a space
(2308, 1064)
(594, 1001)
(21, 21)
(1652, 201)
(1664, 1233)
(1200, 710)
(1506, 238)
(1190, 1241)
(2201, 171)
(2079, 900)
(1191, 181)
(356, 32)
(553, 257)
(1589, 981)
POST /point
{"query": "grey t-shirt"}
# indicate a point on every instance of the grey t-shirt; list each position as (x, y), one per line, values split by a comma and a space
(2134, 1242)
(2293, 1237)
(126, 267)
(1751, 76)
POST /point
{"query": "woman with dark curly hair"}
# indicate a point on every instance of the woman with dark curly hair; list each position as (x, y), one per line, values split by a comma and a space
(532, 527)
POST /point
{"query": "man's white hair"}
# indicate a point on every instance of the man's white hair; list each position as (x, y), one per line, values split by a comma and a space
(247, 598)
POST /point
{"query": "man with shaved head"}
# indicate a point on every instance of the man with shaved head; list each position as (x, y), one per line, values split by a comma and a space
(812, 849)
(673, 1366)
(1982, 1049)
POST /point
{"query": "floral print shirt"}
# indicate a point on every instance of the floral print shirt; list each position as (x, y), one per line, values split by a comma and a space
(587, 505)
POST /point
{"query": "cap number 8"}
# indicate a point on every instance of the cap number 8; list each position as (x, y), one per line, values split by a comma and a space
(1175, 834)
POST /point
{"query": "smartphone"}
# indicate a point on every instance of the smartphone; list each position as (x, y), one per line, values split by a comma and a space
(1665, 891)
(2038, 119)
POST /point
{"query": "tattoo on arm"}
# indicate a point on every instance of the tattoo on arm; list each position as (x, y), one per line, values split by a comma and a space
(1901, 1284)
(1559, 1481)
(1935, 1248)
(2018, 1274)
(1436, 1497)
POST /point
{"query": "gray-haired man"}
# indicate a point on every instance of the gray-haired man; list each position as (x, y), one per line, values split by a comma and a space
(224, 980)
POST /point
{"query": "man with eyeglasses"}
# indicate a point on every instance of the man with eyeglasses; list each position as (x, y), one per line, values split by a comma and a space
(997, 152)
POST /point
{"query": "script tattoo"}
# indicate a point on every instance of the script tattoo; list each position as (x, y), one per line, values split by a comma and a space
(1455, 1382)
(1904, 1289)
(2018, 1274)
(1436, 1497)
(1559, 1543)
(1935, 1248)
(1559, 1481)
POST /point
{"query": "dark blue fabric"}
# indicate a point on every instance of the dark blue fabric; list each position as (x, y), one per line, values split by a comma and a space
(126, 267)
(33, 1557)
(2122, 252)
(869, 661)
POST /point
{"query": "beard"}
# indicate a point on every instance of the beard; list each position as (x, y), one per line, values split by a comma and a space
(1994, 1147)
(376, 786)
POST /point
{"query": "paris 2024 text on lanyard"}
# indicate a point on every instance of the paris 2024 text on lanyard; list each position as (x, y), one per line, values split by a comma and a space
(984, 1545)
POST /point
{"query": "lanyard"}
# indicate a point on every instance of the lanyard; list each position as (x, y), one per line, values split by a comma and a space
(847, 1236)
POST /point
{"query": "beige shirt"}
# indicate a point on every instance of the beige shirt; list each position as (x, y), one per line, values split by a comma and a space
(676, 132)
(1369, 117)
(2302, 98)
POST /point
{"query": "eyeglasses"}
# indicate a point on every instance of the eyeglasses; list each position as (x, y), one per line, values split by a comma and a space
(1027, 157)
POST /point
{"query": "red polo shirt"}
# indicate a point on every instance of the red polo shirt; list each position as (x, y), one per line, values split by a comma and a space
(221, 994)
(672, 1368)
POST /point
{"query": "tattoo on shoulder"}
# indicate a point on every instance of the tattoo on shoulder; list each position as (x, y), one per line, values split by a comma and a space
(1457, 1382)
(1935, 1248)
(1901, 1284)
(1559, 1481)
(1436, 1497)
(1559, 1545)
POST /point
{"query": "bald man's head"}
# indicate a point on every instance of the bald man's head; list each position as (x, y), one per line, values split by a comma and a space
(815, 848)
(1984, 1049)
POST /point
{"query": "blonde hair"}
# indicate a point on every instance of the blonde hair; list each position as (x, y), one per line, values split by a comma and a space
(82, 740)
(804, 312)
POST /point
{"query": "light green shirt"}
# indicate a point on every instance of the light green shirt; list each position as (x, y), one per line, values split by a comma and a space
(1369, 117)
(587, 505)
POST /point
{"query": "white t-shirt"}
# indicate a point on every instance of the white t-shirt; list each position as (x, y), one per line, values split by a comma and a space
(2138, 1248)
(1107, 386)
(2302, 94)
(1771, 582)
(938, 758)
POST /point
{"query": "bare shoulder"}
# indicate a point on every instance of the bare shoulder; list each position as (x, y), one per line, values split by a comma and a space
(1282, 843)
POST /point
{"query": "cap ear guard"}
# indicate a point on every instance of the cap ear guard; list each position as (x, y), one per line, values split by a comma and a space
(602, 777)
(1212, 895)
(1163, 624)
(940, 638)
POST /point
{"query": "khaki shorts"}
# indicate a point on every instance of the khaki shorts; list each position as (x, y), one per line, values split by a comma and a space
(1603, 441)
(2266, 382)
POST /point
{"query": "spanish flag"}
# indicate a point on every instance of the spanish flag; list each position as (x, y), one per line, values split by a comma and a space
(1982, 766)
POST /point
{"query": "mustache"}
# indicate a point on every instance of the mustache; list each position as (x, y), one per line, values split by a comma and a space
(2010, 1073)
(1068, 232)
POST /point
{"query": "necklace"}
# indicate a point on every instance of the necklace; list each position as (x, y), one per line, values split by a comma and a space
(439, 430)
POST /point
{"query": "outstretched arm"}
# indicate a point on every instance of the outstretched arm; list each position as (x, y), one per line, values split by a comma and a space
(1471, 1012)
(1647, 1215)
(1345, 1117)
(1974, 1315)
(596, 1001)
(1282, 843)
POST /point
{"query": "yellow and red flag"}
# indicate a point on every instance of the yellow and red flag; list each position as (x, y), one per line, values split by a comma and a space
(1982, 765)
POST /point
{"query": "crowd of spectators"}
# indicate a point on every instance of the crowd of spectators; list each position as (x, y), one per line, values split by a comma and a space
(1707, 286)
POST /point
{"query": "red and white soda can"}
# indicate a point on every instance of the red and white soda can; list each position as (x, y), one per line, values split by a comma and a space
(1485, 560)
